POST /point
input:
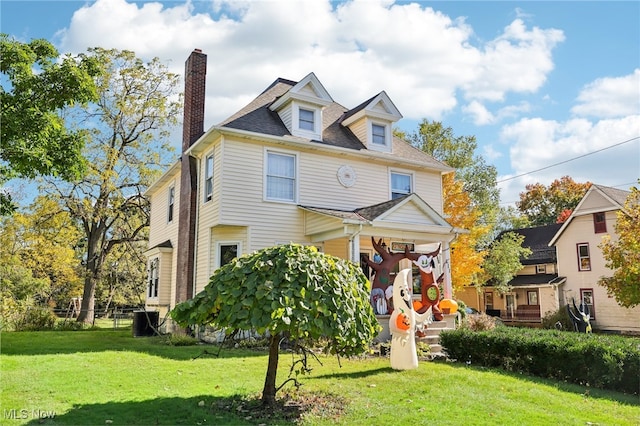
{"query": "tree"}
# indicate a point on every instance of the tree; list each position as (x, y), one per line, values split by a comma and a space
(478, 177)
(288, 291)
(36, 88)
(40, 247)
(503, 260)
(466, 259)
(547, 205)
(623, 255)
(129, 129)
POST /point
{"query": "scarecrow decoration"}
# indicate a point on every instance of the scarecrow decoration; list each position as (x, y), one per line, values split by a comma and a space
(403, 322)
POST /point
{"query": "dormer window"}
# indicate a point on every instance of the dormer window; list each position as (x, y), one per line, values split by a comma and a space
(378, 135)
(306, 119)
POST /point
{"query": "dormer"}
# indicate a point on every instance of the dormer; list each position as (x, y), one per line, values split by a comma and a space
(372, 120)
(300, 109)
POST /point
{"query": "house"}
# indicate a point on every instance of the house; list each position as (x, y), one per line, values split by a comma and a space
(536, 288)
(581, 261)
(291, 166)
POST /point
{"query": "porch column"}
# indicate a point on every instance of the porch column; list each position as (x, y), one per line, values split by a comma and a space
(446, 268)
(354, 248)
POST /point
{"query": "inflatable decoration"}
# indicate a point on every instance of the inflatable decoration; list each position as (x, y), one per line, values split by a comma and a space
(403, 322)
(581, 318)
(429, 291)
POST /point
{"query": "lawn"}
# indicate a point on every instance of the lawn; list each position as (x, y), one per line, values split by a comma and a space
(109, 377)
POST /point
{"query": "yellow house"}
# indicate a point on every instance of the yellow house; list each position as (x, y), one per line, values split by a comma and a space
(535, 290)
(291, 166)
(581, 261)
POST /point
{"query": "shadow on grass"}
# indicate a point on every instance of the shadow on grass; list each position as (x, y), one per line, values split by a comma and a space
(200, 410)
(586, 391)
(68, 342)
(355, 374)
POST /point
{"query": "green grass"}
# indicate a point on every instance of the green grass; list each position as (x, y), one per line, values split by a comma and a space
(93, 377)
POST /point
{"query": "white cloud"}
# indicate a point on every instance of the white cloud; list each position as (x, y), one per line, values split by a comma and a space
(479, 113)
(421, 57)
(537, 144)
(610, 97)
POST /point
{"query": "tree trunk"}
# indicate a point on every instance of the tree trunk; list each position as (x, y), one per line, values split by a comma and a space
(87, 308)
(269, 391)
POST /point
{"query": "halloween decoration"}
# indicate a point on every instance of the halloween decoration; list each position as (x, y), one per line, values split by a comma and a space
(580, 317)
(403, 322)
(429, 290)
(385, 266)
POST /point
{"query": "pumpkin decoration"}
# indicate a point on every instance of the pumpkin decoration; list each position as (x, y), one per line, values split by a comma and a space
(448, 306)
(402, 321)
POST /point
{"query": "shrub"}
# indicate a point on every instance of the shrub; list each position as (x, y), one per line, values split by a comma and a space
(601, 361)
(26, 315)
(557, 320)
(480, 322)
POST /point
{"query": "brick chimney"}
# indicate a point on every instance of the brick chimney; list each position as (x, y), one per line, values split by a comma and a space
(195, 73)
(195, 70)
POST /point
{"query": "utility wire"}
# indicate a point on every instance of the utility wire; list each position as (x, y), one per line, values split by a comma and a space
(570, 159)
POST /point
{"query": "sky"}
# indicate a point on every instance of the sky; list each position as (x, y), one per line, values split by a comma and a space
(548, 88)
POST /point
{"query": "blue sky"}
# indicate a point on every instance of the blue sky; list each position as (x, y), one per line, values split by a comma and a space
(538, 83)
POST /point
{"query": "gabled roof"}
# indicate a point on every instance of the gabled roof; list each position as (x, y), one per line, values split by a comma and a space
(257, 117)
(612, 199)
(379, 106)
(537, 239)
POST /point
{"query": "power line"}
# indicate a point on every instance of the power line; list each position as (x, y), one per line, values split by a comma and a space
(570, 159)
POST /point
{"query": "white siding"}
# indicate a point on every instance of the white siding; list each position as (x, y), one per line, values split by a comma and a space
(609, 315)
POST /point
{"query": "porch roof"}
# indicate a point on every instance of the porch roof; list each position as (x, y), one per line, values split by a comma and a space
(406, 218)
(536, 280)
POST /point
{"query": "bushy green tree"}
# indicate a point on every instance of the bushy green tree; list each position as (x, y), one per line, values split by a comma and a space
(36, 87)
(288, 291)
(503, 260)
(623, 255)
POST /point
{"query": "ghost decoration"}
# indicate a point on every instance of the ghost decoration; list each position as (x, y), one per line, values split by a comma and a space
(403, 322)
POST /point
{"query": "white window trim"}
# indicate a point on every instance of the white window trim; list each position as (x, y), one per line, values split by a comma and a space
(316, 134)
(219, 244)
(150, 278)
(580, 268)
(401, 172)
(171, 206)
(387, 136)
(296, 185)
(541, 269)
(206, 197)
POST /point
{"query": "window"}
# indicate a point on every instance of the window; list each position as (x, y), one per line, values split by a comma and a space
(599, 223)
(488, 301)
(153, 278)
(586, 296)
(281, 177)
(172, 199)
(532, 297)
(541, 269)
(227, 252)
(400, 185)
(584, 260)
(378, 134)
(208, 178)
(306, 119)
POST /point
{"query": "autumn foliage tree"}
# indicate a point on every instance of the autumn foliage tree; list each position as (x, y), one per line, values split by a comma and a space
(466, 258)
(129, 128)
(546, 205)
(623, 255)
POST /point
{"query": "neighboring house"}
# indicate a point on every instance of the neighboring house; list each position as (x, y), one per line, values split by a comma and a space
(581, 261)
(535, 290)
(291, 166)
